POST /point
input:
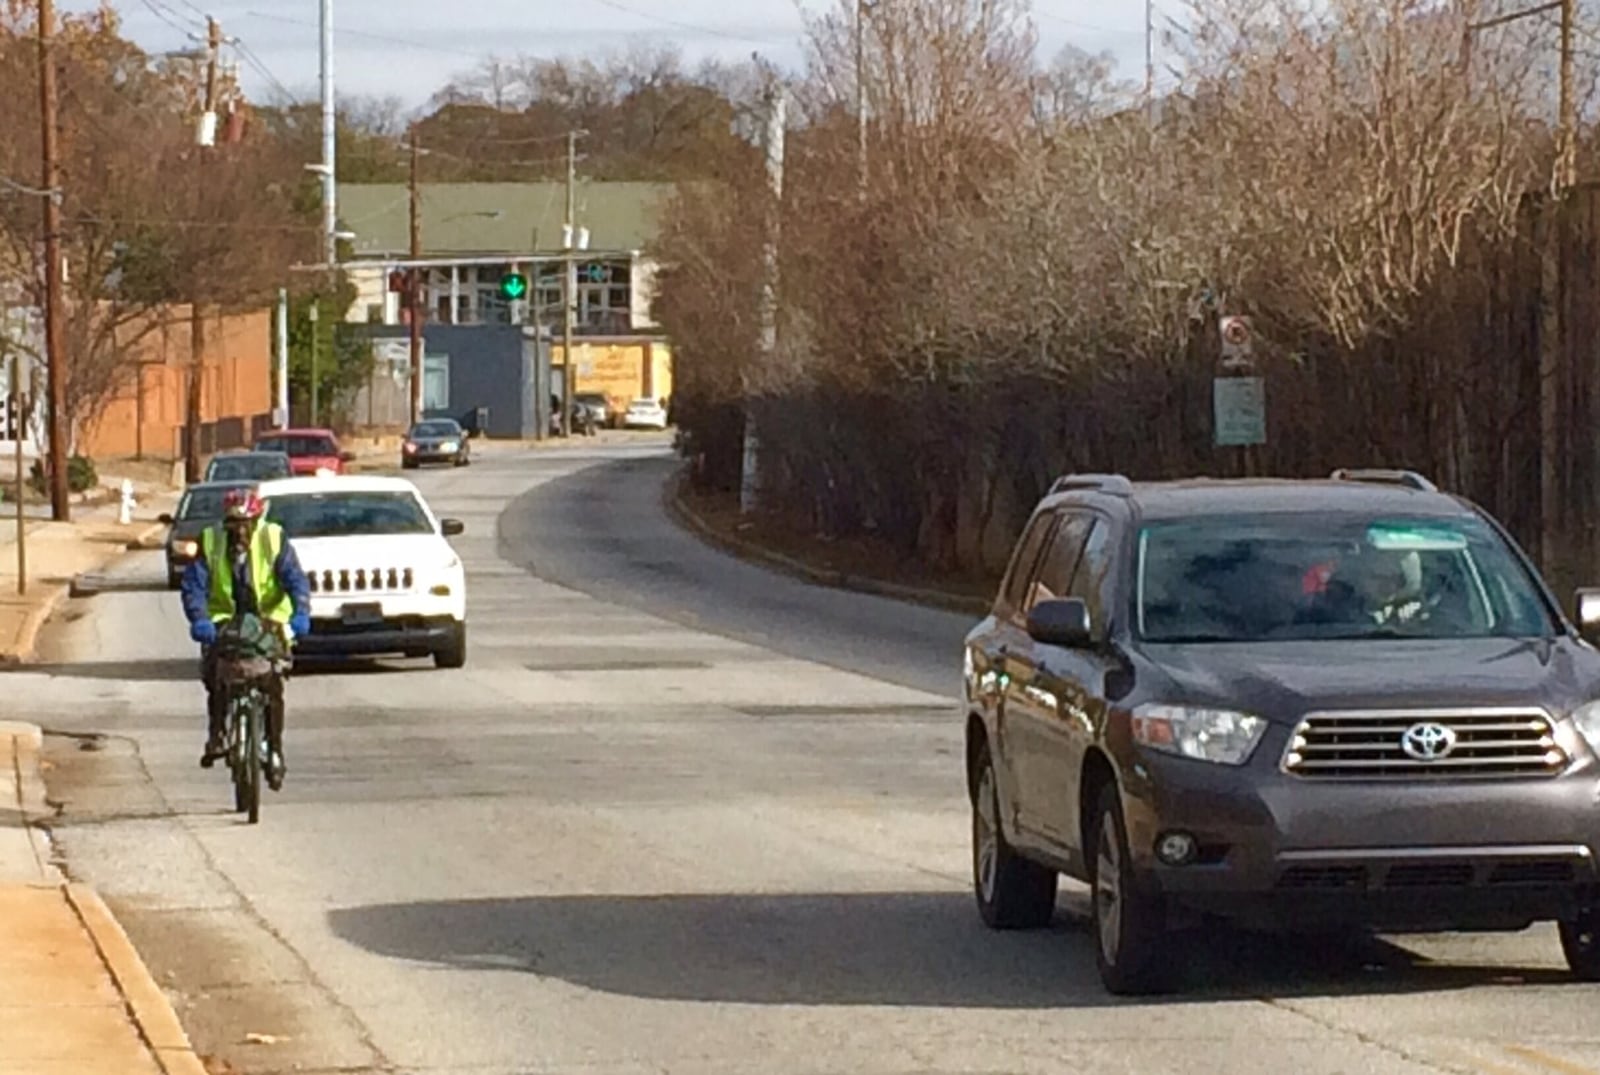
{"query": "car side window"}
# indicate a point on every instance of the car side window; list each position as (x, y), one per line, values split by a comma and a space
(1027, 554)
(1092, 583)
(1059, 562)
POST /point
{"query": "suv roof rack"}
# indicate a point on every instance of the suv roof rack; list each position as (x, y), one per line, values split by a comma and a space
(1408, 478)
(1113, 484)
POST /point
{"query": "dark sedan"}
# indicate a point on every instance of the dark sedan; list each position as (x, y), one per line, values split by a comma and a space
(248, 466)
(436, 440)
(200, 507)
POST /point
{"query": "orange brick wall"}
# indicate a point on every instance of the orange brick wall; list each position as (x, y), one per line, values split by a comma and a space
(147, 417)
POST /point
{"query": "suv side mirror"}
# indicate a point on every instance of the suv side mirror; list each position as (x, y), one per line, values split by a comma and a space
(347, 457)
(1061, 622)
(1589, 614)
(452, 527)
(165, 517)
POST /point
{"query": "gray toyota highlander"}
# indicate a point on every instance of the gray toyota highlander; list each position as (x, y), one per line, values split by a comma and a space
(1299, 705)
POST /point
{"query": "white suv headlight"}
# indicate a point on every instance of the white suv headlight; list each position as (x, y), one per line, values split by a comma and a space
(1587, 718)
(1217, 735)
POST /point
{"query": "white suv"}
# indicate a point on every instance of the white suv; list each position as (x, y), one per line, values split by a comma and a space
(383, 578)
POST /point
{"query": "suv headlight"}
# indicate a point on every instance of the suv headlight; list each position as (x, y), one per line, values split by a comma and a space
(1216, 735)
(1587, 718)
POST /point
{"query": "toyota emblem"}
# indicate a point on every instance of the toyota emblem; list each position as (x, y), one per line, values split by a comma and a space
(1428, 742)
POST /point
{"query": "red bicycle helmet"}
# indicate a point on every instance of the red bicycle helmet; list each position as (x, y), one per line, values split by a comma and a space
(243, 505)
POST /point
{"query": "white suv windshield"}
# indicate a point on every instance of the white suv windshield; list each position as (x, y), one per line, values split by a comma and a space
(1301, 577)
(342, 514)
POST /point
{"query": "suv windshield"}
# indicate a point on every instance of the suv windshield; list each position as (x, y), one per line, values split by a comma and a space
(342, 514)
(203, 503)
(1297, 577)
(236, 467)
(297, 446)
(435, 429)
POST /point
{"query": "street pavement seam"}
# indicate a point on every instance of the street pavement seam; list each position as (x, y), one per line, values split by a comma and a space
(148, 1008)
(185, 824)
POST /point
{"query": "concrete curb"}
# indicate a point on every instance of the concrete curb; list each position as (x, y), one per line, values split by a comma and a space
(55, 596)
(152, 1013)
(21, 744)
(751, 551)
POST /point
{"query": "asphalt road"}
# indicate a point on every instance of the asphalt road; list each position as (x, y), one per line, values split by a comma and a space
(677, 815)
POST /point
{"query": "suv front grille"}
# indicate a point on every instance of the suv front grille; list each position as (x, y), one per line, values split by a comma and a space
(361, 580)
(1372, 745)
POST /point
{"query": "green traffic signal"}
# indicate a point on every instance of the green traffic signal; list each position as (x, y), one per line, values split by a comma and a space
(513, 285)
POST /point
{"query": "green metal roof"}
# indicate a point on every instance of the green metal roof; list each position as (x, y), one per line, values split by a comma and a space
(496, 218)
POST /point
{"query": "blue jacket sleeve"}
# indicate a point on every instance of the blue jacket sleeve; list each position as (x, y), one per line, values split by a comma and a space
(293, 578)
(195, 590)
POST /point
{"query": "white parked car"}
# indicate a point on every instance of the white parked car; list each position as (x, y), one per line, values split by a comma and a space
(384, 581)
(644, 414)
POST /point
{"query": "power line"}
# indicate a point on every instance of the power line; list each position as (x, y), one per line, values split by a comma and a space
(168, 16)
(259, 65)
(691, 27)
(408, 42)
(192, 6)
(1053, 17)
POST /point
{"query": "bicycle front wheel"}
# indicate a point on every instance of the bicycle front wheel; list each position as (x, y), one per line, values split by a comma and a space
(248, 790)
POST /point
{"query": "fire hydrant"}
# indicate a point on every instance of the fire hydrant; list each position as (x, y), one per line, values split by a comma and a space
(125, 510)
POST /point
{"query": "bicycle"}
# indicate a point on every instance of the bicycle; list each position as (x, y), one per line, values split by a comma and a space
(250, 654)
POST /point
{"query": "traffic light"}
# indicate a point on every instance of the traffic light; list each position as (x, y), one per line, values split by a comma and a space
(513, 286)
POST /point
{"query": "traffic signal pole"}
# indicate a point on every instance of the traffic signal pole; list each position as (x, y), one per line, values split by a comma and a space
(569, 287)
(414, 284)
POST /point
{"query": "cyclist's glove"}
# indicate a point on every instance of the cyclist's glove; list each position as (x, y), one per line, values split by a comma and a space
(203, 632)
(300, 624)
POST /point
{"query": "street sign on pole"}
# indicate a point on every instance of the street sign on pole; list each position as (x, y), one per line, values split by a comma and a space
(1239, 407)
(1238, 342)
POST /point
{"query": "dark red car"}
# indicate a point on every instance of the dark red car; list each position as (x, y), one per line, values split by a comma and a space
(310, 451)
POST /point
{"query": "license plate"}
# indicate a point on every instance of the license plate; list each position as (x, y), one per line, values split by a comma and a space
(361, 615)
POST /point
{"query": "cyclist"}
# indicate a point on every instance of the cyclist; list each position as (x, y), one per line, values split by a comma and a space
(246, 566)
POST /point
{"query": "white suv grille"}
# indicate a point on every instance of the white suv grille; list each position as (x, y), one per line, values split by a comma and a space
(362, 580)
(1372, 745)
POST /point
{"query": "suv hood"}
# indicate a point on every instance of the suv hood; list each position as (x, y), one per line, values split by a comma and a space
(426, 551)
(1284, 680)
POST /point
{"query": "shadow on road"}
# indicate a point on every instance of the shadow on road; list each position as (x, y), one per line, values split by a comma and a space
(155, 670)
(896, 949)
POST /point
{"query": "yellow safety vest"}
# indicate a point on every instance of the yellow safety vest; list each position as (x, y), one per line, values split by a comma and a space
(273, 603)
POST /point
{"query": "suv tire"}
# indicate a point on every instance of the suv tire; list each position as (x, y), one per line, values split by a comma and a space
(1012, 892)
(1128, 922)
(1580, 940)
(453, 654)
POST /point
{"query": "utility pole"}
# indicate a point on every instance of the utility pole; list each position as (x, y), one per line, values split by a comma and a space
(1150, 61)
(863, 9)
(283, 358)
(414, 283)
(55, 352)
(569, 286)
(1567, 165)
(311, 315)
(205, 139)
(18, 411)
(1551, 223)
(772, 143)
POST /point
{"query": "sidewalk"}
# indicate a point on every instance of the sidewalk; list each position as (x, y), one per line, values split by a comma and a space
(74, 995)
(57, 552)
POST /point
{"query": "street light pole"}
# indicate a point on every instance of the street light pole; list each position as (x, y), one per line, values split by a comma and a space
(330, 191)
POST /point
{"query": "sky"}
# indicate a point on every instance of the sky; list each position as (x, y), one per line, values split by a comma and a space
(410, 48)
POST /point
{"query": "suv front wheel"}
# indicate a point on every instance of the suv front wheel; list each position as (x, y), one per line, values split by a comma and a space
(1129, 921)
(1012, 892)
(1580, 940)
